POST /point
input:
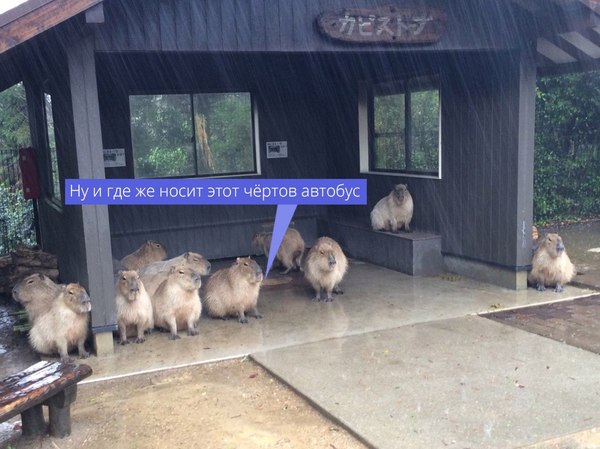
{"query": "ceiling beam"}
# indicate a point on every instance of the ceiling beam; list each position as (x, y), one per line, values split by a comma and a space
(39, 20)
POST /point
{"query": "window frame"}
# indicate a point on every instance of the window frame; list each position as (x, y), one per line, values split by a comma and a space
(368, 90)
(254, 124)
(53, 188)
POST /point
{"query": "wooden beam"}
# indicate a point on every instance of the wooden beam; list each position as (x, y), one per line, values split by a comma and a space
(41, 19)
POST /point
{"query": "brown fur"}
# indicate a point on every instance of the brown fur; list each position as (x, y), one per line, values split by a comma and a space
(550, 266)
(153, 274)
(134, 308)
(325, 267)
(290, 251)
(394, 211)
(234, 290)
(177, 301)
(150, 251)
(65, 325)
(36, 293)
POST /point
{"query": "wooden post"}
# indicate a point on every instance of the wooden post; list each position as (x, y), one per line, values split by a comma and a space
(90, 164)
(32, 421)
(59, 412)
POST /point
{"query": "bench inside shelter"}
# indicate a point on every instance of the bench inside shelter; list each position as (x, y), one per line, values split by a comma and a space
(415, 253)
(53, 384)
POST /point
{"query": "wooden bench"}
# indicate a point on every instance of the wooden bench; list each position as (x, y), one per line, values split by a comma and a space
(416, 253)
(46, 383)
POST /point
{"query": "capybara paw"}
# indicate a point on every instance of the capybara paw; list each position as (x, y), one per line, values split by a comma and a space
(559, 288)
(541, 287)
(84, 355)
(316, 299)
(174, 337)
(329, 299)
(243, 320)
(338, 291)
(258, 316)
(191, 332)
(66, 359)
(124, 342)
(140, 340)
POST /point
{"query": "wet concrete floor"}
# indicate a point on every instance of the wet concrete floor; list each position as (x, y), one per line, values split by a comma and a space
(401, 361)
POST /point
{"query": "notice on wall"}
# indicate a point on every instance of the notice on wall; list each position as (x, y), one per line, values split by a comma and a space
(277, 149)
(114, 157)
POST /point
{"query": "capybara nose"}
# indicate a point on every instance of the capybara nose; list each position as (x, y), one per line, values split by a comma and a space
(331, 260)
(208, 266)
(134, 286)
(560, 247)
(196, 277)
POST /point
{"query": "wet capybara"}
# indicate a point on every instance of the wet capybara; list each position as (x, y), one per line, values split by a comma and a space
(134, 308)
(153, 274)
(290, 251)
(233, 291)
(394, 211)
(550, 266)
(150, 251)
(176, 301)
(36, 293)
(65, 325)
(325, 266)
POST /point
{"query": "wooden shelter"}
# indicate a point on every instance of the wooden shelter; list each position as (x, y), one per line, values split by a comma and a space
(323, 77)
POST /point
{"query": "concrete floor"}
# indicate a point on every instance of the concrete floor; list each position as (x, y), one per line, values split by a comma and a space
(402, 361)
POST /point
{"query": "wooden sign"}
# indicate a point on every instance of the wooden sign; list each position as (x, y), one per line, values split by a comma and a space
(388, 24)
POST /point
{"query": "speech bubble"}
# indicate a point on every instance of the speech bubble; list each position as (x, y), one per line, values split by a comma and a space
(287, 194)
(283, 217)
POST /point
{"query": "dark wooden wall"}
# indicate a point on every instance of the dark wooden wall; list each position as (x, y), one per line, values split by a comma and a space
(474, 205)
(290, 101)
(311, 100)
(280, 25)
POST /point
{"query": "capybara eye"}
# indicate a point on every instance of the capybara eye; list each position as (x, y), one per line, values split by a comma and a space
(70, 292)
(181, 272)
(321, 252)
(157, 245)
(124, 278)
(196, 259)
(245, 264)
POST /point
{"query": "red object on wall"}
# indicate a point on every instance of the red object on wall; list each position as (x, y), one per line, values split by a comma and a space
(29, 173)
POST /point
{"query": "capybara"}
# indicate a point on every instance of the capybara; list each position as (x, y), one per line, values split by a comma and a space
(550, 266)
(325, 266)
(177, 301)
(134, 308)
(65, 325)
(394, 211)
(36, 293)
(153, 274)
(150, 251)
(290, 251)
(233, 291)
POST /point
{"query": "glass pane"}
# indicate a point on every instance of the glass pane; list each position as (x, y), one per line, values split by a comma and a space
(389, 125)
(223, 128)
(55, 179)
(162, 135)
(389, 153)
(425, 110)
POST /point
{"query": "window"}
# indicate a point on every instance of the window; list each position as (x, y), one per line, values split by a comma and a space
(51, 142)
(208, 134)
(400, 127)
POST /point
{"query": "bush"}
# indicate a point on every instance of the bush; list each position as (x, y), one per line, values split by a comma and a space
(16, 219)
(567, 142)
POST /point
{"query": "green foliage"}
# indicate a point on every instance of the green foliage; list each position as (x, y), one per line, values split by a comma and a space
(567, 142)
(16, 218)
(167, 132)
(390, 125)
(14, 124)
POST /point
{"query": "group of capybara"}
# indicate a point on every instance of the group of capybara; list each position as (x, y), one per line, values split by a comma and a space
(153, 292)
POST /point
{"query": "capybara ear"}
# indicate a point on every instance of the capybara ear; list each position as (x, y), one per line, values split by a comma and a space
(121, 273)
(238, 259)
(173, 269)
(186, 255)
